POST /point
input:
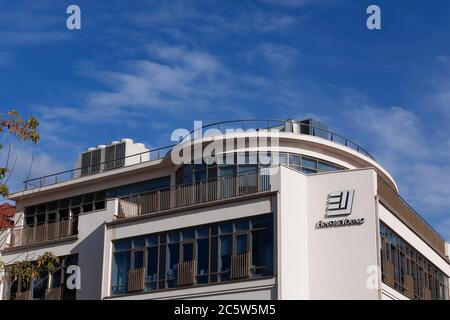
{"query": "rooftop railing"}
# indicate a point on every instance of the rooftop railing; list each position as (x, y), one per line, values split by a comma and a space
(159, 153)
(68, 175)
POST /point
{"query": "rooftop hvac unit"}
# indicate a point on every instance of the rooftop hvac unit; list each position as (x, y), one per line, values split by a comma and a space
(90, 162)
(115, 156)
(107, 157)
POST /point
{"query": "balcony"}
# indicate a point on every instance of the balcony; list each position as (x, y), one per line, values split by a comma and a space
(198, 193)
(32, 234)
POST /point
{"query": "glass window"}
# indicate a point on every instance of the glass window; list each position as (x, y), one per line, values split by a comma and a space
(212, 253)
(188, 234)
(152, 265)
(121, 265)
(262, 222)
(226, 247)
(283, 158)
(173, 257)
(75, 201)
(203, 260)
(295, 160)
(241, 243)
(241, 225)
(226, 228)
(308, 171)
(174, 236)
(226, 171)
(138, 259)
(152, 240)
(309, 163)
(120, 245)
(138, 242)
(212, 172)
(326, 167)
(188, 251)
(202, 232)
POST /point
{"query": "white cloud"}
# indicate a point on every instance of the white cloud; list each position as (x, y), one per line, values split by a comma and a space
(395, 130)
(26, 161)
(178, 17)
(289, 3)
(276, 55)
(412, 153)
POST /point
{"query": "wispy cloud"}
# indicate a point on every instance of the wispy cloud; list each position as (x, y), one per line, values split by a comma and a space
(412, 153)
(175, 17)
(27, 162)
(26, 24)
(274, 55)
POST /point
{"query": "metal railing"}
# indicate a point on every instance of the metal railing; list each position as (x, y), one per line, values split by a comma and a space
(30, 234)
(281, 126)
(393, 200)
(159, 153)
(197, 193)
(240, 265)
(53, 293)
(138, 158)
(186, 273)
(136, 279)
(23, 295)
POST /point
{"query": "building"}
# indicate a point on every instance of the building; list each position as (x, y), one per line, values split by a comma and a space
(310, 215)
(7, 212)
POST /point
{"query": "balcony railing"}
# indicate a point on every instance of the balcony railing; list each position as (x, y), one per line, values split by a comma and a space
(53, 293)
(240, 265)
(42, 232)
(23, 295)
(159, 153)
(186, 273)
(136, 280)
(198, 193)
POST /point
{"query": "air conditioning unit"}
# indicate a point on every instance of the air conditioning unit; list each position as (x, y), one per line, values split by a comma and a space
(117, 154)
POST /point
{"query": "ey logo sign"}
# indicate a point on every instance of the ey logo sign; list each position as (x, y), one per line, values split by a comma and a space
(340, 203)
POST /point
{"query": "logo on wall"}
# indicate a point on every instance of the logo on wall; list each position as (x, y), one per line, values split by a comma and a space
(339, 203)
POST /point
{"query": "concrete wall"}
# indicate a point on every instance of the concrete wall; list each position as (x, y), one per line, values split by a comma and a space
(340, 256)
(292, 221)
(243, 290)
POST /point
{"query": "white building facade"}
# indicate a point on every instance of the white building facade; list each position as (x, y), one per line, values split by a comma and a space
(320, 220)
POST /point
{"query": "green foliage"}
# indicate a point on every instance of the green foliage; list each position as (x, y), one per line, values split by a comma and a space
(25, 130)
(26, 270)
(47, 262)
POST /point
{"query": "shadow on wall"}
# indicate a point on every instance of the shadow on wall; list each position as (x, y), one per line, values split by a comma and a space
(90, 261)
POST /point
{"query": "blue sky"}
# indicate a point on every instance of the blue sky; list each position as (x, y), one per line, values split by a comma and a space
(141, 70)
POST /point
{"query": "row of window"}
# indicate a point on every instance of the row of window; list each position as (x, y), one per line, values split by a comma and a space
(242, 163)
(36, 289)
(212, 249)
(71, 207)
(409, 272)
